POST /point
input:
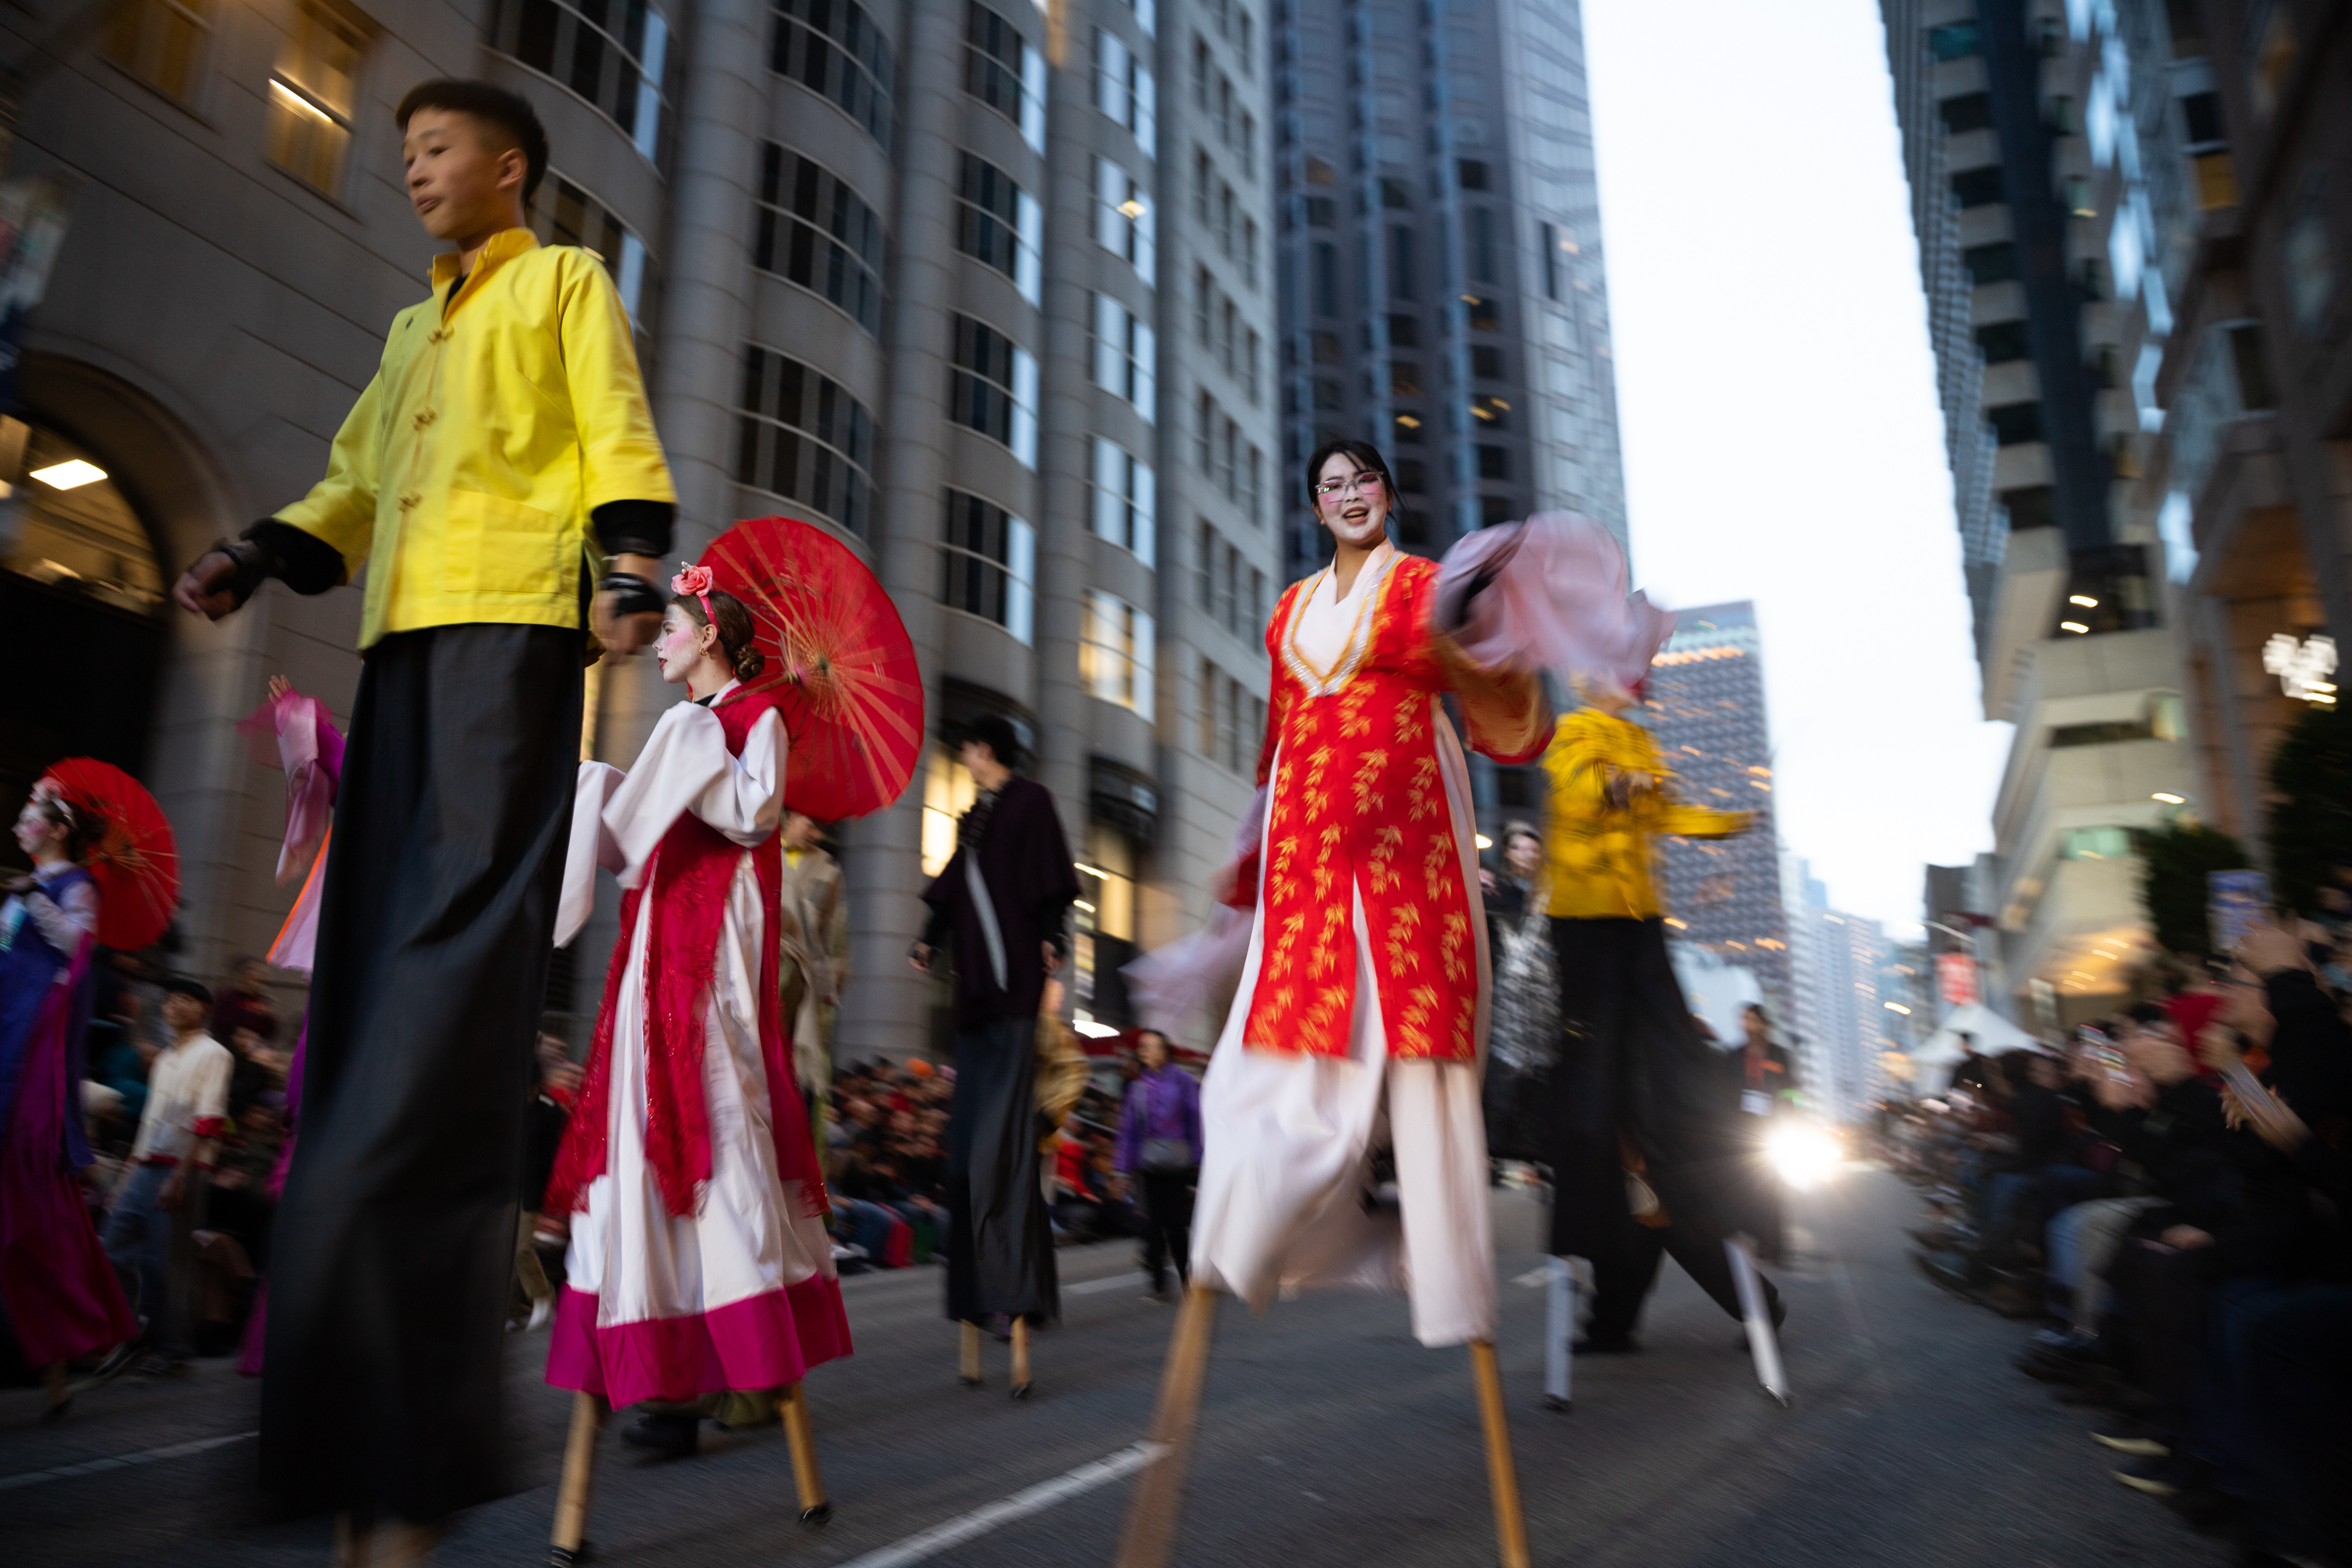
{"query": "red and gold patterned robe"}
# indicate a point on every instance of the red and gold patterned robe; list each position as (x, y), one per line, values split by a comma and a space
(1358, 810)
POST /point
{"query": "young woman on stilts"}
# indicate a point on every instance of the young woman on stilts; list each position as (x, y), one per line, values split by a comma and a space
(1354, 1044)
(699, 1262)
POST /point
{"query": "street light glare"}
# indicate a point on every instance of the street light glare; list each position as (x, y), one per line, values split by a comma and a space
(2084, 600)
(1898, 1007)
(2170, 798)
(2073, 626)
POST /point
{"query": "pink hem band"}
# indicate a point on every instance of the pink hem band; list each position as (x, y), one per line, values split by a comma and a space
(762, 1342)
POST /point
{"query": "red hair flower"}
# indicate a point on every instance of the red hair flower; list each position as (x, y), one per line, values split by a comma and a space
(694, 580)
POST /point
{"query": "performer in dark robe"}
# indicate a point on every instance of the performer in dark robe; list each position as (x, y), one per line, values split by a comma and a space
(506, 421)
(1003, 900)
(1643, 1159)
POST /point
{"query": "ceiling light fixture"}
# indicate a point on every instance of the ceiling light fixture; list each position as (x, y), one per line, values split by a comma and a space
(70, 475)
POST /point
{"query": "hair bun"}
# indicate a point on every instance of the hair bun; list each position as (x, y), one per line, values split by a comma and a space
(749, 664)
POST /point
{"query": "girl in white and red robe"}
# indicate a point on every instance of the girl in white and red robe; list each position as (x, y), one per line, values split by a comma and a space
(698, 1258)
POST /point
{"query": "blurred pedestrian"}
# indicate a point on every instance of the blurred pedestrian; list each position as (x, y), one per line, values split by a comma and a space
(156, 1210)
(813, 933)
(1764, 1085)
(1004, 899)
(1160, 1151)
(60, 1297)
(504, 443)
(1640, 1156)
(243, 1002)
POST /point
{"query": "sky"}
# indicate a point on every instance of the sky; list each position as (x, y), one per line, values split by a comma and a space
(1777, 398)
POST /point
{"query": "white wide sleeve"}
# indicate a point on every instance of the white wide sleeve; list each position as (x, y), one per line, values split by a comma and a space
(591, 846)
(686, 768)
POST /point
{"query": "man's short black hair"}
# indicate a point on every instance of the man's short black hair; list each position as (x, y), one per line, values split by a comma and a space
(180, 985)
(995, 731)
(510, 116)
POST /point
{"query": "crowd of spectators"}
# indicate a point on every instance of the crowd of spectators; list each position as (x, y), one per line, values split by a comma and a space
(2169, 1197)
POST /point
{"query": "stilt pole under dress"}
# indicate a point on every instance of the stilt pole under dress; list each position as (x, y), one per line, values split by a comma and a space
(1149, 1534)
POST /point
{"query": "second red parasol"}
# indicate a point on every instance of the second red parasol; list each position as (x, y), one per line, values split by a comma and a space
(840, 666)
(134, 859)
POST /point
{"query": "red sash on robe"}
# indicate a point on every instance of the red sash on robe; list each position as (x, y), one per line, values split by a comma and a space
(692, 869)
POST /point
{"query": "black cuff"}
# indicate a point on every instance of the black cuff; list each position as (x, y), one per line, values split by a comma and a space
(303, 561)
(634, 527)
(632, 595)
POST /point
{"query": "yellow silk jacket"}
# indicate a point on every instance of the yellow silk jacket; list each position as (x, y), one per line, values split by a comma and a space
(463, 478)
(1597, 852)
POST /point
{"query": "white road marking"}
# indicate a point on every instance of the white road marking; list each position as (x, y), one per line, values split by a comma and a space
(1019, 1505)
(121, 1461)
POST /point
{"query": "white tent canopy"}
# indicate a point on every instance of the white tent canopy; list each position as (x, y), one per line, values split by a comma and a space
(1994, 1034)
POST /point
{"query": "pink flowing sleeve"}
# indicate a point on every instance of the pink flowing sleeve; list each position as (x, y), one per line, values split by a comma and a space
(1549, 593)
(310, 749)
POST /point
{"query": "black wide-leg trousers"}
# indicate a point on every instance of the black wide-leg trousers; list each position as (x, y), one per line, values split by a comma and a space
(1000, 1237)
(394, 1244)
(1635, 1076)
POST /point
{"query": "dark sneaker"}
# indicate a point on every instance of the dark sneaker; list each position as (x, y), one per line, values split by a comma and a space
(2139, 1442)
(1606, 1344)
(674, 1435)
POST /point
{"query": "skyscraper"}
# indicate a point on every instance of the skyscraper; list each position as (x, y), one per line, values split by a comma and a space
(1837, 1003)
(1443, 288)
(2034, 306)
(982, 288)
(1706, 705)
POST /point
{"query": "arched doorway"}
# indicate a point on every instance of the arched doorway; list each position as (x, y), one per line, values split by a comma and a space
(81, 593)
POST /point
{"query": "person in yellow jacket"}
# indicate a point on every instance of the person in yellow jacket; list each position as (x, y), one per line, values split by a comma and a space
(503, 443)
(1639, 1153)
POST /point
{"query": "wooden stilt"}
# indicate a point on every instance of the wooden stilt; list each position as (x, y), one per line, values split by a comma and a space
(1502, 1476)
(793, 1404)
(1762, 1343)
(1150, 1531)
(569, 1543)
(1020, 1358)
(351, 1543)
(61, 1394)
(968, 1362)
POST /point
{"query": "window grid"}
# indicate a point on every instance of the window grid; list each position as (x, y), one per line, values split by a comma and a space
(312, 92)
(1125, 222)
(1126, 356)
(989, 564)
(563, 214)
(1116, 653)
(814, 231)
(1000, 224)
(615, 55)
(803, 436)
(1125, 91)
(992, 388)
(1125, 500)
(833, 49)
(164, 43)
(1003, 71)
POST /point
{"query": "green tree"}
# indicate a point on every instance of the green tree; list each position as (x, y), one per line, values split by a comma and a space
(2173, 863)
(2311, 811)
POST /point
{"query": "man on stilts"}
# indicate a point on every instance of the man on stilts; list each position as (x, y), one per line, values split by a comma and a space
(1641, 1153)
(1004, 899)
(503, 443)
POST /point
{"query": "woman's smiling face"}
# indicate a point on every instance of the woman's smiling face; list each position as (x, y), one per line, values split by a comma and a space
(1351, 502)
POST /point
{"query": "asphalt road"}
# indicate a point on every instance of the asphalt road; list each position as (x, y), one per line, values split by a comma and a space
(1328, 1438)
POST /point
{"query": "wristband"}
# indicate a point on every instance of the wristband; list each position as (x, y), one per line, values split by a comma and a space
(632, 595)
(251, 564)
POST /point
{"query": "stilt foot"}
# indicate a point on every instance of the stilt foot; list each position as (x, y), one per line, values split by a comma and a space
(567, 1556)
(1553, 1401)
(1022, 1392)
(821, 1514)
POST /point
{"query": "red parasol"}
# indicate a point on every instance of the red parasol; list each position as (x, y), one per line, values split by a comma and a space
(135, 861)
(839, 664)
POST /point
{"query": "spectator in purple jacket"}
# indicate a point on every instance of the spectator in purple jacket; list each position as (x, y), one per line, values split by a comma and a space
(1160, 1151)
